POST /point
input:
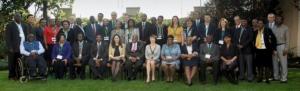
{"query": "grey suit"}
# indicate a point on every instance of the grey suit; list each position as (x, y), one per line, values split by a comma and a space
(214, 58)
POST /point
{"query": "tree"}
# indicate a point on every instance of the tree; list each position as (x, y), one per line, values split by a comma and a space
(245, 8)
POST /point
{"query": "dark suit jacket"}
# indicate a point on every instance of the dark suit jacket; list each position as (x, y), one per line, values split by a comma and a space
(214, 51)
(140, 52)
(78, 30)
(113, 26)
(218, 35)
(85, 51)
(90, 34)
(165, 33)
(269, 39)
(102, 53)
(185, 51)
(211, 30)
(39, 34)
(12, 36)
(194, 31)
(246, 40)
(107, 33)
(145, 34)
(71, 36)
(199, 25)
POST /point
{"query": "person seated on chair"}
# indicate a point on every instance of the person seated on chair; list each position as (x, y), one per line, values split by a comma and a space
(170, 54)
(228, 53)
(152, 54)
(116, 54)
(135, 56)
(99, 57)
(61, 56)
(209, 55)
(33, 50)
(80, 57)
(189, 55)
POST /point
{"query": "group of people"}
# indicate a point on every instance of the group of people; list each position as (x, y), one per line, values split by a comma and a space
(240, 52)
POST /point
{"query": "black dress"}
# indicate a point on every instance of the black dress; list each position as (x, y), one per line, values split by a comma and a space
(194, 61)
(117, 53)
(228, 53)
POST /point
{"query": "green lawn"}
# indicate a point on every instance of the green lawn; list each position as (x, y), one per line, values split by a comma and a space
(139, 85)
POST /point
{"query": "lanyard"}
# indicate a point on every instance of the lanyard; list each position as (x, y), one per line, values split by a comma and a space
(159, 30)
(129, 33)
(105, 31)
(152, 50)
(188, 32)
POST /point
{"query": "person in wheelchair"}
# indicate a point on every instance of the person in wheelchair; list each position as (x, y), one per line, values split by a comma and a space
(61, 56)
(32, 51)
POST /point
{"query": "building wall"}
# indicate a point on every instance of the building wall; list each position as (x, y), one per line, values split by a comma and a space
(292, 20)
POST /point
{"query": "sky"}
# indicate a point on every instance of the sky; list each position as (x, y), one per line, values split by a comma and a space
(167, 8)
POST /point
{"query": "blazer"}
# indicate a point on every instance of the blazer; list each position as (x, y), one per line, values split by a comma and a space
(90, 34)
(140, 52)
(156, 52)
(66, 51)
(106, 31)
(12, 36)
(185, 51)
(39, 34)
(70, 37)
(85, 51)
(211, 30)
(111, 51)
(78, 30)
(129, 35)
(164, 36)
(245, 40)
(192, 31)
(145, 34)
(214, 51)
(269, 39)
(218, 35)
(102, 53)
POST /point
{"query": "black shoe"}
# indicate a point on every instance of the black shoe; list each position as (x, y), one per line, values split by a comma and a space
(267, 81)
(259, 81)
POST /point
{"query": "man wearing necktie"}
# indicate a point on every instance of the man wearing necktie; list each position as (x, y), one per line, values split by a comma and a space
(92, 29)
(265, 46)
(99, 57)
(80, 55)
(135, 56)
(209, 55)
(243, 38)
(146, 29)
(113, 20)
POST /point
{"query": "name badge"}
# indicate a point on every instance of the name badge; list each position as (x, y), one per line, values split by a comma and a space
(169, 57)
(59, 57)
(79, 56)
(159, 37)
(175, 40)
(207, 56)
(53, 39)
(106, 38)
(130, 40)
(221, 42)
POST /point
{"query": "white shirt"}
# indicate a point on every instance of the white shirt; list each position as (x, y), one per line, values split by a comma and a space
(189, 49)
(21, 33)
(26, 53)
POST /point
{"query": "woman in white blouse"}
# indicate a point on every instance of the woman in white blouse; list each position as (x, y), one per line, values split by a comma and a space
(152, 54)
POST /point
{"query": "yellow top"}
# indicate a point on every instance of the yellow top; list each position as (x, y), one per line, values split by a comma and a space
(177, 33)
(260, 44)
(111, 51)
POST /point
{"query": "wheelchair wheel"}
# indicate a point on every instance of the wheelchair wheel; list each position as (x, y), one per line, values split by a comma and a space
(23, 79)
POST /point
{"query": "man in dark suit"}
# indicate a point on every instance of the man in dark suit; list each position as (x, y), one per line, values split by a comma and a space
(106, 31)
(161, 31)
(113, 21)
(80, 56)
(99, 57)
(78, 28)
(135, 56)
(91, 30)
(243, 38)
(67, 31)
(15, 33)
(208, 28)
(100, 19)
(197, 20)
(209, 55)
(265, 46)
(145, 28)
(237, 24)
(39, 31)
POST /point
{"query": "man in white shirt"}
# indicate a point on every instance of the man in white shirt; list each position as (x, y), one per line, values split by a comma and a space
(33, 50)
